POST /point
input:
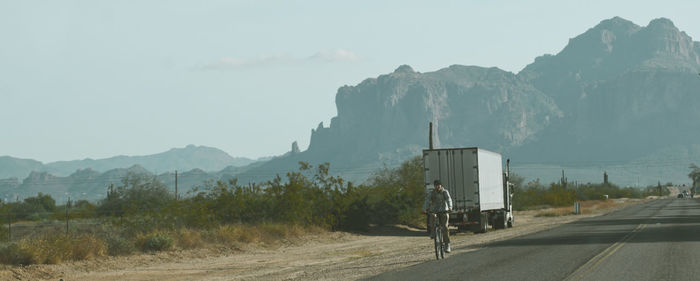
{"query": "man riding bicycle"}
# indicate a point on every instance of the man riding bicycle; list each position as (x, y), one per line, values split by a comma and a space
(439, 202)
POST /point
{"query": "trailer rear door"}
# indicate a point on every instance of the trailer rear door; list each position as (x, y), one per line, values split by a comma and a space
(457, 170)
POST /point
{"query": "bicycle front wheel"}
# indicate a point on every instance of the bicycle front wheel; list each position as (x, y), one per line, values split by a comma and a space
(439, 246)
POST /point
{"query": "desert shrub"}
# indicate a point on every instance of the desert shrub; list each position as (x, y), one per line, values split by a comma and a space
(138, 194)
(548, 214)
(47, 249)
(4, 234)
(356, 214)
(117, 245)
(155, 242)
(188, 238)
(394, 196)
(12, 254)
(32, 208)
(86, 246)
(270, 232)
(233, 234)
(54, 249)
(276, 231)
(240, 233)
(536, 196)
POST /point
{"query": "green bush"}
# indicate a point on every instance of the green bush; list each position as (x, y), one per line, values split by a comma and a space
(4, 234)
(536, 196)
(157, 242)
(12, 254)
(118, 245)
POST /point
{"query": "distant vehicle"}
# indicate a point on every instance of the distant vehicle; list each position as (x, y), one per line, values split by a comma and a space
(479, 188)
(680, 195)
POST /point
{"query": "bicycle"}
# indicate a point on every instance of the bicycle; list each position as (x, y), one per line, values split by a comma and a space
(440, 245)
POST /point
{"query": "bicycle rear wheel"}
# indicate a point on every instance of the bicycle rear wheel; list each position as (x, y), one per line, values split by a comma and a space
(439, 245)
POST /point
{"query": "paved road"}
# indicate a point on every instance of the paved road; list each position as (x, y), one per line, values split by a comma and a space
(657, 240)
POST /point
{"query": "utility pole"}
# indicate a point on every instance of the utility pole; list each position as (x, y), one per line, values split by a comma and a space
(67, 203)
(176, 185)
(9, 225)
(430, 136)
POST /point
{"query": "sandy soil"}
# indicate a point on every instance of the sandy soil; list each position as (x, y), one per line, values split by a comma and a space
(327, 256)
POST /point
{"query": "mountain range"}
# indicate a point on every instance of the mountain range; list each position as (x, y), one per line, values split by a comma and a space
(88, 178)
(183, 159)
(88, 184)
(619, 98)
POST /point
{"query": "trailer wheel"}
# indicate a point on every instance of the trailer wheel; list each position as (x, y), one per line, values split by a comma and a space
(484, 223)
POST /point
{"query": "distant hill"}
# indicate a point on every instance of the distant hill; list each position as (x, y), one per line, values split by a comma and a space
(187, 158)
(17, 168)
(182, 159)
(618, 97)
(92, 185)
(88, 179)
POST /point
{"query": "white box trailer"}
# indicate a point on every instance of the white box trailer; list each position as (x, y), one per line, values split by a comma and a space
(479, 189)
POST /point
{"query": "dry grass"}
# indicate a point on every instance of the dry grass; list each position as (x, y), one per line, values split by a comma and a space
(587, 207)
(47, 247)
(154, 241)
(592, 206)
(267, 233)
(186, 238)
(53, 249)
(555, 212)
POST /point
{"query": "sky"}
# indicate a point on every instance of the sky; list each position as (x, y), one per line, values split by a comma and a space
(95, 79)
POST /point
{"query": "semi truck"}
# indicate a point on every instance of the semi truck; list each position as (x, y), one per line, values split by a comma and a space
(480, 190)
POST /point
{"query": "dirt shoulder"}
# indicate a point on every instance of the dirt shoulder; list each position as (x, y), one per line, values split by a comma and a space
(327, 256)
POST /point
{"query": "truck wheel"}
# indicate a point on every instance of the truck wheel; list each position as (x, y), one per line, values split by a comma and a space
(484, 223)
(500, 221)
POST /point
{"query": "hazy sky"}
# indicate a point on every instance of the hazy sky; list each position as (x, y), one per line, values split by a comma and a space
(102, 78)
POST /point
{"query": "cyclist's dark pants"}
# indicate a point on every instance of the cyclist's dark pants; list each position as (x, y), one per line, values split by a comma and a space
(444, 218)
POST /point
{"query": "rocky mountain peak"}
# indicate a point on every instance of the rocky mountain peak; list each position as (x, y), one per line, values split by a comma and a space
(662, 24)
(600, 40)
(407, 69)
(617, 24)
(39, 178)
(86, 173)
(664, 46)
(609, 49)
(295, 147)
(138, 169)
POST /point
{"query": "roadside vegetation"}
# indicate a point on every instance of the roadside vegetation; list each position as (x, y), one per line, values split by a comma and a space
(534, 195)
(142, 216)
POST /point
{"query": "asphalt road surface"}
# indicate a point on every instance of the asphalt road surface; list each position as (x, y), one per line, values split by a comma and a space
(656, 240)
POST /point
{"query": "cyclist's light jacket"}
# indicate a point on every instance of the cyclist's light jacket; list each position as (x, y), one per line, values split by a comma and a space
(438, 201)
